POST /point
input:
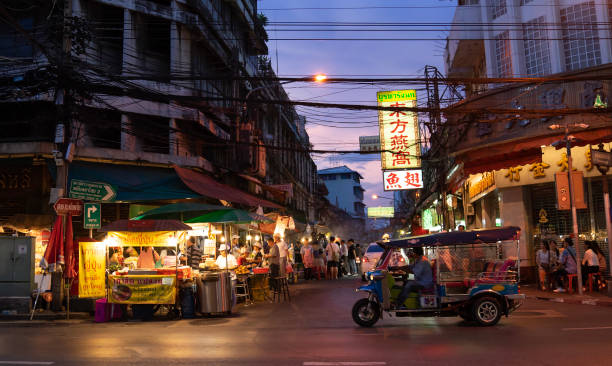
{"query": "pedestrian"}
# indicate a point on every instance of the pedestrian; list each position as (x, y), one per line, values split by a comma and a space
(567, 264)
(332, 252)
(543, 262)
(273, 258)
(284, 253)
(318, 261)
(590, 262)
(307, 259)
(344, 258)
(553, 259)
(298, 261)
(352, 255)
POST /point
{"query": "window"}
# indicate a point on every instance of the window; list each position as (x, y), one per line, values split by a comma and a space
(498, 8)
(523, 2)
(13, 43)
(345, 176)
(502, 55)
(537, 54)
(580, 38)
(468, 2)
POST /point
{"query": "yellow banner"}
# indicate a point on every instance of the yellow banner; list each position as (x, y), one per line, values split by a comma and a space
(92, 268)
(136, 239)
(399, 130)
(142, 289)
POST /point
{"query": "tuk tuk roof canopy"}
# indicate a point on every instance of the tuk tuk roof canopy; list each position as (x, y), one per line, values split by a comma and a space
(456, 238)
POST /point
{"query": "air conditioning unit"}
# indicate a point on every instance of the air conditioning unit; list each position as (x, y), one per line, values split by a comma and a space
(470, 210)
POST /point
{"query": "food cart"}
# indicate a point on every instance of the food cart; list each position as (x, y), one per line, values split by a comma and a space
(134, 280)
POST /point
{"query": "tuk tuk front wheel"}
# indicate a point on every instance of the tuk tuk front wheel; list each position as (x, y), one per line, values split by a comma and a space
(486, 311)
(366, 313)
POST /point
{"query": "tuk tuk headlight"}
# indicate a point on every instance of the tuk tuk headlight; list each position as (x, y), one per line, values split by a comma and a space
(371, 277)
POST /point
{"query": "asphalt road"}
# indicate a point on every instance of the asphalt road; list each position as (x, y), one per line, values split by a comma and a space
(316, 329)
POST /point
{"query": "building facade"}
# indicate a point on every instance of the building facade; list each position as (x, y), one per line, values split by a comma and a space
(503, 162)
(147, 96)
(345, 191)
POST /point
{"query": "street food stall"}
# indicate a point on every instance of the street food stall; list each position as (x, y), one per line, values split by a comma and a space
(137, 273)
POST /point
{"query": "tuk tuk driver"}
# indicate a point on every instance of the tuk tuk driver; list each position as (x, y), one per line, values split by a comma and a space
(423, 277)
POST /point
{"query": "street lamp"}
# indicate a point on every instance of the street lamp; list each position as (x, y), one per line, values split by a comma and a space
(375, 197)
(602, 159)
(568, 146)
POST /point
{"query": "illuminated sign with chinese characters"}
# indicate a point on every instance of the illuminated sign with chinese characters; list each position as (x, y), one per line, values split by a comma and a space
(381, 211)
(399, 130)
(395, 180)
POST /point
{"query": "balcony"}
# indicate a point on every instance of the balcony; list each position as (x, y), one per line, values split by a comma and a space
(465, 45)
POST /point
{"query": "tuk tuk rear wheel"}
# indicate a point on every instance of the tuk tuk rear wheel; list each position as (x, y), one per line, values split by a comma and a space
(366, 313)
(486, 311)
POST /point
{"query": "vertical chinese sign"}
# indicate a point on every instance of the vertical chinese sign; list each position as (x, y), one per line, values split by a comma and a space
(399, 130)
(92, 269)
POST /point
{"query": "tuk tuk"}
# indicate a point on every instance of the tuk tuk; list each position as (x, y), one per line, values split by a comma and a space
(475, 276)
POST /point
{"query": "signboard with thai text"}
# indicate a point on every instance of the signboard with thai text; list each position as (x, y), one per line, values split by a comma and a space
(396, 180)
(141, 289)
(68, 206)
(92, 269)
(381, 211)
(399, 130)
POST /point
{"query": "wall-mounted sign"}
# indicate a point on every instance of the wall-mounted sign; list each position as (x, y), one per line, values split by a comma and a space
(68, 206)
(484, 183)
(381, 211)
(395, 180)
(399, 130)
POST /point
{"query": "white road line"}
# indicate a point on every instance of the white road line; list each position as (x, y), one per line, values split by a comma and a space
(589, 328)
(26, 363)
(344, 363)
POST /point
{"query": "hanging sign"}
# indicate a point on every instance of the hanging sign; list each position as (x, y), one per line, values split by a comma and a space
(92, 269)
(395, 180)
(136, 239)
(399, 130)
(141, 289)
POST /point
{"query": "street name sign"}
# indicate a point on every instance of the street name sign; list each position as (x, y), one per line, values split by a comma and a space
(92, 191)
(91, 216)
(68, 206)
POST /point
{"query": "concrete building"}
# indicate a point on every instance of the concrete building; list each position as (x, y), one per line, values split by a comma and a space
(147, 97)
(345, 191)
(502, 168)
(506, 38)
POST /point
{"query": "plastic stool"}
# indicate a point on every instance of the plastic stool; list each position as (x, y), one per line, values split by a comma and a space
(281, 289)
(590, 280)
(242, 283)
(570, 280)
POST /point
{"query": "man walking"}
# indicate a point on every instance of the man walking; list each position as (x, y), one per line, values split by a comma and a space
(351, 258)
(333, 258)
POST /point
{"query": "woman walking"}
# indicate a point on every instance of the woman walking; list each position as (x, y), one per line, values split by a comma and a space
(307, 260)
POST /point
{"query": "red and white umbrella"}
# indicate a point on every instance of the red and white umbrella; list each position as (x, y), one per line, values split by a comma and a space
(69, 271)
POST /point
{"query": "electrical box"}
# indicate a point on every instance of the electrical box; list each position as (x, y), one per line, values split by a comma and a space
(16, 266)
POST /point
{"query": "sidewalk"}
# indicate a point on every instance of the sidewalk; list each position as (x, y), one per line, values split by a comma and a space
(588, 298)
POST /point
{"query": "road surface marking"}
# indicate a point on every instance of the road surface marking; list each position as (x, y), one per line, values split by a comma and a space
(589, 328)
(346, 363)
(26, 363)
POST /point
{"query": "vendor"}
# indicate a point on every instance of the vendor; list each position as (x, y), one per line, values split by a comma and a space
(147, 258)
(243, 258)
(193, 254)
(256, 256)
(117, 257)
(225, 260)
(130, 252)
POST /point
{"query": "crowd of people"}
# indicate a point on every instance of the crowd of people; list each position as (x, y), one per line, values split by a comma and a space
(555, 264)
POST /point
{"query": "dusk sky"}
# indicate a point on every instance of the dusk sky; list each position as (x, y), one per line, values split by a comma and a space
(335, 129)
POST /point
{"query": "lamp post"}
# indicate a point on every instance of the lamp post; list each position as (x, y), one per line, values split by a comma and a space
(602, 159)
(568, 146)
(375, 197)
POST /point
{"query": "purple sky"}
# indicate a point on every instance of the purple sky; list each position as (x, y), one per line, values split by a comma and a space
(351, 58)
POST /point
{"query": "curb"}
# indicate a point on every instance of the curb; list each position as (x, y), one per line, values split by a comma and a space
(592, 302)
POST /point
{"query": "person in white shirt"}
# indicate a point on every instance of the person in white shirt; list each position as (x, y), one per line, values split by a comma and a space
(284, 252)
(590, 263)
(225, 260)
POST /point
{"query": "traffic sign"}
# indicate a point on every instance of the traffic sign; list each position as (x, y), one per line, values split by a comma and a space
(92, 191)
(91, 216)
(68, 206)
